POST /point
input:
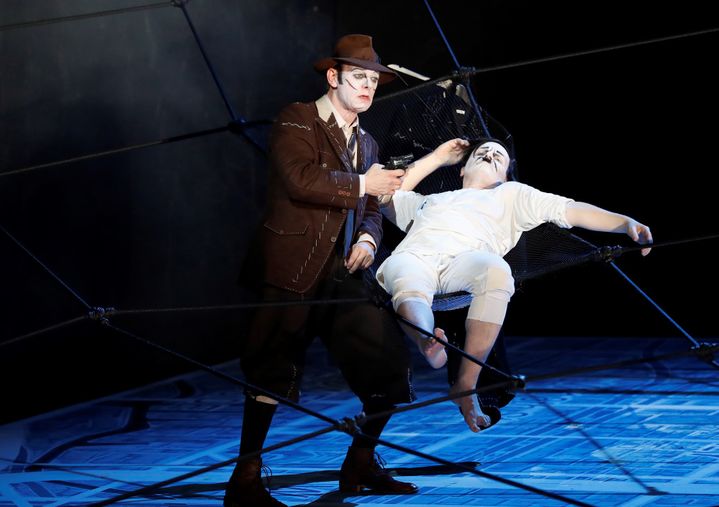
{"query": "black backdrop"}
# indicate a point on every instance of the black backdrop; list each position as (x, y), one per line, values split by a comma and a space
(165, 226)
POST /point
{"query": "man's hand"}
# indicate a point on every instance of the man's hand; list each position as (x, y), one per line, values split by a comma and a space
(361, 256)
(451, 152)
(380, 181)
(639, 233)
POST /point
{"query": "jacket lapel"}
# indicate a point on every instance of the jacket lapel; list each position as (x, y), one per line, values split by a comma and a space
(336, 139)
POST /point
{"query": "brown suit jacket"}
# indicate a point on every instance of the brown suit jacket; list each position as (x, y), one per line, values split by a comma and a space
(311, 186)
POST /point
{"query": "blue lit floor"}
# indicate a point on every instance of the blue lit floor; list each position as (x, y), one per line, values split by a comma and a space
(641, 435)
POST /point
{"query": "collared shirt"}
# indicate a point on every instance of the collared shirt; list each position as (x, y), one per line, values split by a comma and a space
(491, 220)
(326, 108)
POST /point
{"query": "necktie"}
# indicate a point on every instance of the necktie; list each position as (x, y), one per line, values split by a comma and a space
(352, 146)
(350, 223)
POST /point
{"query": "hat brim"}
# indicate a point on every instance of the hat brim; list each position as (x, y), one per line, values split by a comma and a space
(385, 73)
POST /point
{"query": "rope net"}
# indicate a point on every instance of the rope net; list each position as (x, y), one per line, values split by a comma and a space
(410, 124)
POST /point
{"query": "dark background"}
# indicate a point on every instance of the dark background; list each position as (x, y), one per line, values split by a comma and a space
(632, 129)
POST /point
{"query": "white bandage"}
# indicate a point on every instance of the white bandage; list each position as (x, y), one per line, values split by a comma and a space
(408, 277)
(492, 291)
(488, 277)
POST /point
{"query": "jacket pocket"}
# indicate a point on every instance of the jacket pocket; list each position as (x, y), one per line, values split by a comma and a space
(287, 229)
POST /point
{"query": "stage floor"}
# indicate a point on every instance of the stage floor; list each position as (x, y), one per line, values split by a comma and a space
(644, 434)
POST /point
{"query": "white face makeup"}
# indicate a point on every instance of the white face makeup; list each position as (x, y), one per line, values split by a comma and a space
(355, 88)
(489, 161)
(359, 78)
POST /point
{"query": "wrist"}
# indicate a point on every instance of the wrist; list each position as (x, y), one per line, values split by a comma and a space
(365, 237)
(368, 243)
(436, 159)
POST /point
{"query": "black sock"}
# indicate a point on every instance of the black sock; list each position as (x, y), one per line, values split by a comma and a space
(256, 422)
(374, 427)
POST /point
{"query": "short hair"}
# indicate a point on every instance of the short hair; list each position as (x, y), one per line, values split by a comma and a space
(338, 68)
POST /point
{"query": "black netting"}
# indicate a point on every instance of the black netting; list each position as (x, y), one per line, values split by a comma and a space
(417, 120)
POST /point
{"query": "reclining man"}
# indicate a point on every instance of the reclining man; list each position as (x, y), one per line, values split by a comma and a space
(456, 241)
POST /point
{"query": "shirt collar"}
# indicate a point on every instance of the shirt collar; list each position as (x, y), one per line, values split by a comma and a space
(325, 108)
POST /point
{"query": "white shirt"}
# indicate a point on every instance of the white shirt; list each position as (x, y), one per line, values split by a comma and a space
(325, 108)
(490, 219)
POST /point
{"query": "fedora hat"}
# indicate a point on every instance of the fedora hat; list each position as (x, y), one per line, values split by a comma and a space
(356, 49)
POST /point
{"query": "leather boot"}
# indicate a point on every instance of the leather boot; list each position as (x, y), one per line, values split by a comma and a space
(245, 488)
(362, 469)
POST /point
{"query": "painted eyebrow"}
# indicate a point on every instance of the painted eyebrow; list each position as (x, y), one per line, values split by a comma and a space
(486, 148)
(366, 71)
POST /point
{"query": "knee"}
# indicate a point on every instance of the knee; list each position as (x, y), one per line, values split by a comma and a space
(490, 304)
(500, 280)
(496, 280)
(410, 295)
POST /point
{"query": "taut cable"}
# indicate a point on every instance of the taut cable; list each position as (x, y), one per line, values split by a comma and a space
(63, 19)
(46, 268)
(222, 375)
(91, 156)
(233, 115)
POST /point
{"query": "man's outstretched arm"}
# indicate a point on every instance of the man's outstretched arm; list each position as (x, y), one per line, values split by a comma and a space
(593, 218)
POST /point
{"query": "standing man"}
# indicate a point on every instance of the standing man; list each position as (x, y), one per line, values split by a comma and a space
(320, 230)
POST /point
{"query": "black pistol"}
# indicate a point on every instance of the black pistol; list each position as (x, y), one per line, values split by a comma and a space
(400, 162)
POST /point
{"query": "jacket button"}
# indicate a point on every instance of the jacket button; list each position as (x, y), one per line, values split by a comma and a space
(344, 211)
(324, 164)
(333, 239)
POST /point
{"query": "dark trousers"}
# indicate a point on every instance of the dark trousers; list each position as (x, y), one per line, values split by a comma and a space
(364, 340)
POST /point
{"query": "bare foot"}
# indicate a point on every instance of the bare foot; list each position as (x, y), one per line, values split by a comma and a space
(433, 351)
(469, 406)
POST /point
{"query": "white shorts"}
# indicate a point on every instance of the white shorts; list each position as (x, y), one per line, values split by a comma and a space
(415, 277)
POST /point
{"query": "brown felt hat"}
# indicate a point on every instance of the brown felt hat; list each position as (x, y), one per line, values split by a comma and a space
(356, 49)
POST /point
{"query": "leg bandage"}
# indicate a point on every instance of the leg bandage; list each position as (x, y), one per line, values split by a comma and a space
(408, 277)
(492, 291)
(487, 277)
(404, 296)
